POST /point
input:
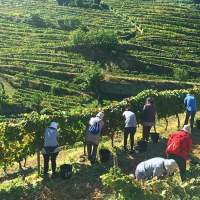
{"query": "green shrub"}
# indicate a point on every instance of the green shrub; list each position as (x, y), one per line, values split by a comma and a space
(103, 6)
(90, 79)
(2, 92)
(69, 23)
(103, 39)
(34, 20)
(180, 74)
(170, 188)
(34, 103)
(63, 2)
(124, 187)
(95, 4)
(77, 3)
(84, 28)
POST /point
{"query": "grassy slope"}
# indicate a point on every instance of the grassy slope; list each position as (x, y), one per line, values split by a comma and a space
(85, 183)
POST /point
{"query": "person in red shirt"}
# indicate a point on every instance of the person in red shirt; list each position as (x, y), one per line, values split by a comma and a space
(178, 148)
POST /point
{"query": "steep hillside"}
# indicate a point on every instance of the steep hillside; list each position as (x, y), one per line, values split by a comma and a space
(38, 60)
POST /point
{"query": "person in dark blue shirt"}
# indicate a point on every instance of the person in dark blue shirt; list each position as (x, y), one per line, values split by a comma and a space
(191, 108)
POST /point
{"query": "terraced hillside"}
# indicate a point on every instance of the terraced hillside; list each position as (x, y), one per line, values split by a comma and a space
(39, 65)
(171, 34)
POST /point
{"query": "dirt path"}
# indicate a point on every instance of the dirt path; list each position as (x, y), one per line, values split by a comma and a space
(9, 90)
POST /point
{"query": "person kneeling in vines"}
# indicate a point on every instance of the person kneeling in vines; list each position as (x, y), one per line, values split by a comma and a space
(155, 167)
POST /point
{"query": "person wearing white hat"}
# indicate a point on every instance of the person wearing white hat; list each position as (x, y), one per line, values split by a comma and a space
(93, 136)
(155, 167)
(179, 146)
(50, 149)
(187, 129)
(100, 115)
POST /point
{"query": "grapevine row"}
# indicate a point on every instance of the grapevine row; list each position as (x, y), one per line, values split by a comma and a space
(20, 139)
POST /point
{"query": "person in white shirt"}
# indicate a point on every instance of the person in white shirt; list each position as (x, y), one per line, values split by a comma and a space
(130, 127)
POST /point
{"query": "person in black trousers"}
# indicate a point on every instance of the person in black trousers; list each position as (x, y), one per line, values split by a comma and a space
(191, 108)
(130, 127)
(179, 146)
(148, 118)
(50, 150)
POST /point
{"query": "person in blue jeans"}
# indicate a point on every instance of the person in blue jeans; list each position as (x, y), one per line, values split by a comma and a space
(191, 108)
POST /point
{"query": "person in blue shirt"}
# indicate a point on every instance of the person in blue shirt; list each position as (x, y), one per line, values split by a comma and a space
(191, 108)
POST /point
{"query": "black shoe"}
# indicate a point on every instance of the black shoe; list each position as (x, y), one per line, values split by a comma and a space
(89, 158)
(45, 176)
(125, 149)
(54, 175)
(132, 151)
(93, 161)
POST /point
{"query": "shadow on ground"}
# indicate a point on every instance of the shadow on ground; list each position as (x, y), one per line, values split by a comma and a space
(128, 161)
(23, 173)
(85, 183)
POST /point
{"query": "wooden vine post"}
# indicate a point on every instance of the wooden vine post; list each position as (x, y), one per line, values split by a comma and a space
(166, 120)
(38, 161)
(84, 148)
(177, 116)
(154, 127)
(84, 142)
(112, 134)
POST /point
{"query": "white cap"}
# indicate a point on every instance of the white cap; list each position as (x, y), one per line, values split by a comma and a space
(100, 115)
(170, 165)
(186, 128)
(53, 125)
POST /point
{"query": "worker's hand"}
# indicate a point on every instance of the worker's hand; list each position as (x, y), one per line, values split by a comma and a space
(132, 176)
(155, 178)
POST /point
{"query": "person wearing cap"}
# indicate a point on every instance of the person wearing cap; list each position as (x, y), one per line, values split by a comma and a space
(50, 150)
(179, 146)
(92, 140)
(130, 127)
(155, 167)
(191, 108)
